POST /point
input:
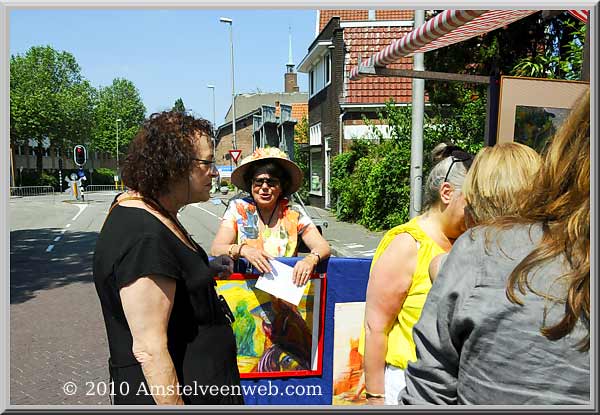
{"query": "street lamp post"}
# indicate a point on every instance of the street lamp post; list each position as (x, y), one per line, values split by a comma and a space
(233, 119)
(213, 105)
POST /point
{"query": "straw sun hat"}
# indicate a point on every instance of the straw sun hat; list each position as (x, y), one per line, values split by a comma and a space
(271, 154)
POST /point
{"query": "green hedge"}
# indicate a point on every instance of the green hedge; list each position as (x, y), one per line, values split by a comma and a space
(370, 183)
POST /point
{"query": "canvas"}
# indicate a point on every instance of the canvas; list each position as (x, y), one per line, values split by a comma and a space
(348, 376)
(275, 338)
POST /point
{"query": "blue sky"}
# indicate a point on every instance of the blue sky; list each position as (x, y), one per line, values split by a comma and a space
(169, 54)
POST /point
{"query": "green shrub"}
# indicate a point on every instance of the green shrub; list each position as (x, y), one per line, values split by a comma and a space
(46, 179)
(370, 183)
(102, 176)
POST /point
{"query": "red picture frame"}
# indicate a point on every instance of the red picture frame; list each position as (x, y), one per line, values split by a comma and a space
(271, 334)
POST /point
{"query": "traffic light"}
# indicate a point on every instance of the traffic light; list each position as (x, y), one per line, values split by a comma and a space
(79, 155)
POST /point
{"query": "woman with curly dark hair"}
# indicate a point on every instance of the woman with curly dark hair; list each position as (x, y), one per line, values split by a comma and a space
(169, 335)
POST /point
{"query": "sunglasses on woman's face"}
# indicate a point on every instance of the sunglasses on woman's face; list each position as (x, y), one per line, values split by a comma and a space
(259, 181)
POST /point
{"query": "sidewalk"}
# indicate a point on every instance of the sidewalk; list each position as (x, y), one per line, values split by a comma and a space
(348, 240)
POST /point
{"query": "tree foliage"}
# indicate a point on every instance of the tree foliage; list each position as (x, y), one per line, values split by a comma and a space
(562, 58)
(49, 100)
(178, 106)
(120, 100)
(533, 46)
(301, 154)
(370, 184)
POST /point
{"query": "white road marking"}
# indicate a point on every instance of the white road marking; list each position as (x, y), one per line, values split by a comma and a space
(68, 225)
(207, 211)
(57, 239)
(352, 246)
(81, 209)
(50, 248)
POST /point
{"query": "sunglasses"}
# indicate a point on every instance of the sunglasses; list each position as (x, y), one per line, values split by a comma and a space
(459, 156)
(258, 182)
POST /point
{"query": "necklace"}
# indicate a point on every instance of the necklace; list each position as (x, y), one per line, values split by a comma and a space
(158, 206)
(270, 217)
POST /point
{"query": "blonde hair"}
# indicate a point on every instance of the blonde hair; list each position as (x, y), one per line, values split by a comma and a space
(499, 180)
(560, 201)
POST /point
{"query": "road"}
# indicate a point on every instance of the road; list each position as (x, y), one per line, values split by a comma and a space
(56, 328)
(57, 334)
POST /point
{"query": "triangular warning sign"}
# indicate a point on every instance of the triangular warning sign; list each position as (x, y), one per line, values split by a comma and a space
(235, 154)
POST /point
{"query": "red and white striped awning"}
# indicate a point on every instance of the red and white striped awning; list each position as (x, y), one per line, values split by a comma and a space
(447, 28)
(582, 15)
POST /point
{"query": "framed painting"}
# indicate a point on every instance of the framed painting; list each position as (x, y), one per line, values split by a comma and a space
(276, 339)
(348, 371)
(532, 109)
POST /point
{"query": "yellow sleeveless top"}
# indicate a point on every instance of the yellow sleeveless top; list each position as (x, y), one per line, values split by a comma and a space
(401, 347)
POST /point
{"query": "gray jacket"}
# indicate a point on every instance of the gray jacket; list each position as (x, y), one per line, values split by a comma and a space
(476, 347)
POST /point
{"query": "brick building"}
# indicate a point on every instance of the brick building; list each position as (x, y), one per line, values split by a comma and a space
(262, 119)
(337, 105)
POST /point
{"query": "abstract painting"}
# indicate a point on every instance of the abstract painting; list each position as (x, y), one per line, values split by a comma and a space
(348, 378)
(275, 338)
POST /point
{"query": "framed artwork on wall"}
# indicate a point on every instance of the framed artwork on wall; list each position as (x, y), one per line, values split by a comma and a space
(276, 339)
(532, 109)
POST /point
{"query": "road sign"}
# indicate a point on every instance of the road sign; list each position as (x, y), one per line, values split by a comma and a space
(235, 155)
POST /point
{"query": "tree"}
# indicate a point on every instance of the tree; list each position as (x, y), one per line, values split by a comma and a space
(301, 137)
(536, 39)
(121, 100)
(50, 102)
(179, 107)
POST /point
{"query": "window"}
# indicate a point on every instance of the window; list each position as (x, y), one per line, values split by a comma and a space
(328, 69)
(315, 135)
(316, 171)
(320, 75)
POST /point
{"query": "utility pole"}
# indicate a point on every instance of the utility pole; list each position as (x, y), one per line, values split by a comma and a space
(416, 146)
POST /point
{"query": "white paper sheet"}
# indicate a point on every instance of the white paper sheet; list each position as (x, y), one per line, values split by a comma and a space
(280, 284)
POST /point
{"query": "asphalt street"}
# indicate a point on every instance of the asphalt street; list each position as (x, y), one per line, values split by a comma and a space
(58, 347)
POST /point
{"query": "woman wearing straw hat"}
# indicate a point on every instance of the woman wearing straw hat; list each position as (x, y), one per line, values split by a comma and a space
(266, 225)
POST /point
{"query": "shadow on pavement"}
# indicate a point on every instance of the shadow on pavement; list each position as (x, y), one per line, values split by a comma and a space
(33, 268)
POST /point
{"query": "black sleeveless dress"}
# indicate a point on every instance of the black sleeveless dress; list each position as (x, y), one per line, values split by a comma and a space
(134, 243)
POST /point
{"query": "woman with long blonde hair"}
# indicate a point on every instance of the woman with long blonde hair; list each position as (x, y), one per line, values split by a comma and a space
(507, 321)
(496, 185)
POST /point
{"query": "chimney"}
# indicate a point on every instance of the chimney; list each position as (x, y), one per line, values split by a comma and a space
(291, 77)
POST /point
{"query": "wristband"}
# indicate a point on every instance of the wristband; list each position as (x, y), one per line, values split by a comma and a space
(230, 252)
(315, 253)
(239, 252)
(374, 395)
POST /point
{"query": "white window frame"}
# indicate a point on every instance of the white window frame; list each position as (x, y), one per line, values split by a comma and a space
(327, 69)
(314, 133)
(319, 76)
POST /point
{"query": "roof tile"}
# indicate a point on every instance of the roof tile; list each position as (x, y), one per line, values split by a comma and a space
(357, 15)
(375, 90)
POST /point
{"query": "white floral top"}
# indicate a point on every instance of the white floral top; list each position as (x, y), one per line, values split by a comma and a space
(279, 241)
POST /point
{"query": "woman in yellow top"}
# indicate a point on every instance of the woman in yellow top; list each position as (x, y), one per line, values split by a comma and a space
(399, 279)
